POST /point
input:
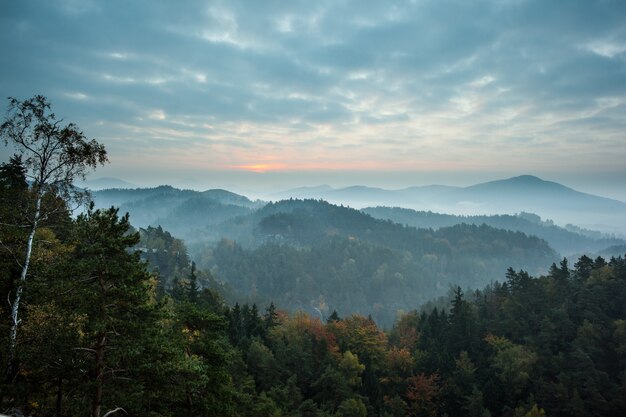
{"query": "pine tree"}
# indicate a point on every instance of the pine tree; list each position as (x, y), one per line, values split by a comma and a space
(116, 297)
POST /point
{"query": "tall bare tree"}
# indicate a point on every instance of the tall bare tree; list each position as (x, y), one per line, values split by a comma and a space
(54, 154)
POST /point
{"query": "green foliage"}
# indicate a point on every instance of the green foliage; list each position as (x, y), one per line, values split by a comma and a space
(166, 255)
(50, 156)
(96, 337)
(53, 153)
(319, 257)
(534, 411)
(352, 407)
(351, 368)
(513, 363)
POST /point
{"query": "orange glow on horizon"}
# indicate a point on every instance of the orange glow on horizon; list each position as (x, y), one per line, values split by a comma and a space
(373, 166)
(261, 167)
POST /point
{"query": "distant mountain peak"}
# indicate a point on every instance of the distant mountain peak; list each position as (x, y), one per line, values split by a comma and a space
(521, 179)
(526, 178)
(524, 181)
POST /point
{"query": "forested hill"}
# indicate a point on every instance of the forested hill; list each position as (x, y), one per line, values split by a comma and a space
(200, 217)
(118, 197)
(314, 256)
(566, 242)
(311, 221)
(527, 347)
(183, 212)
(310, 254)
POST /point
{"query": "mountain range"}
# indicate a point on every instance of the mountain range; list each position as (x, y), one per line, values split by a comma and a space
(524, 193)
(184, 213)
(310, 253)
(207, 216)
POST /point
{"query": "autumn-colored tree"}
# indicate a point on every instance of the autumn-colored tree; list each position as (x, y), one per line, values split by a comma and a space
(422, 395)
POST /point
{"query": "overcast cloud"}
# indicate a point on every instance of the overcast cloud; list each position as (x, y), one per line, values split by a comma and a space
(193, 87)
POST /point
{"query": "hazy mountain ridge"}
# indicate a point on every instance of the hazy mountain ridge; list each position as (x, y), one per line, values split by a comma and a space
(298, 252)
(566, 242)
(549, 192)
(508, 196)
(171, 207)
(207, 216)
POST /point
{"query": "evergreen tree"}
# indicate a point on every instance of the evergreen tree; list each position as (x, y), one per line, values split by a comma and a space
(116, 297)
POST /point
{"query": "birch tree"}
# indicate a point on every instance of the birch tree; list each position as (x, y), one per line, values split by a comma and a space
(54, 154)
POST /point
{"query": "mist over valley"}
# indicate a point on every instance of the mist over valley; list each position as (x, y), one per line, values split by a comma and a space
(312, 251)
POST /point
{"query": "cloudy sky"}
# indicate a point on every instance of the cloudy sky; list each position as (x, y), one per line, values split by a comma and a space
(249, 94)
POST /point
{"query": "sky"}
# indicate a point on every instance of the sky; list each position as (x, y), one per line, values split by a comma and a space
(262, 95)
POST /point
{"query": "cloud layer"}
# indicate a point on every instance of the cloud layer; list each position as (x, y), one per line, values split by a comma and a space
(425, 85)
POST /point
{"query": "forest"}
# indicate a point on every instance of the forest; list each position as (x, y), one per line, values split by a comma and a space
(100, 332)
(103, 318)
(316, 257)
(566, 240)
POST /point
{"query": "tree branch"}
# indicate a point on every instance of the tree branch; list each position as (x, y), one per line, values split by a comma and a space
(85, 349)
(108, 413)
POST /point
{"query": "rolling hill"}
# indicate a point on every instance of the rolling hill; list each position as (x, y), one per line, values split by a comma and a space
(182, 212)
(566, 242)
(307, 253)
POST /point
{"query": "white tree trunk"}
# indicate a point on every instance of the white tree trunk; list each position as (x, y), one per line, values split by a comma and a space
(15, 321)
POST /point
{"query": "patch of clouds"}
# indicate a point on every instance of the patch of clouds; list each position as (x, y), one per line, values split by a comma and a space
(157, 115)
(284, 24)
(77, 96)
(482, 81)
(606, 49)
(119, 55)
(119, 79)
(200, 77)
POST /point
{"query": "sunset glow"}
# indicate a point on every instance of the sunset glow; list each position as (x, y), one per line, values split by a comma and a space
(261, 167)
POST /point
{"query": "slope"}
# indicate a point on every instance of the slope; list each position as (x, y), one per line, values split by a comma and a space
(564, 241)
(308, 254)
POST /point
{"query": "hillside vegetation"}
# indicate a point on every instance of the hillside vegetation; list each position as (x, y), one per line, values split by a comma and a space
(567, 241)
(314, 256)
